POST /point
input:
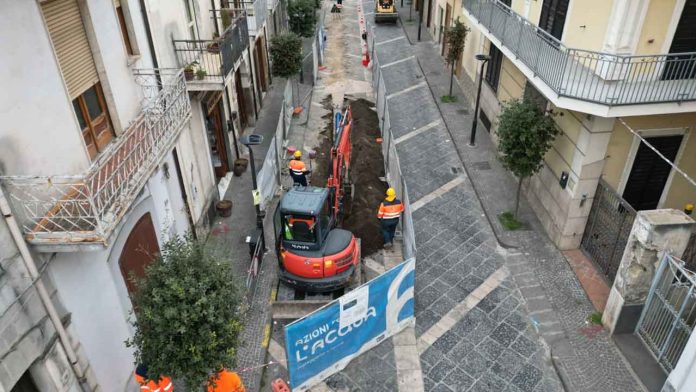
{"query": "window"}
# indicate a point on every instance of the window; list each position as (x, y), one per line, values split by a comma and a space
(124, 29)
(93, 118)
(25, 384)
(190, 21)
(494, 66)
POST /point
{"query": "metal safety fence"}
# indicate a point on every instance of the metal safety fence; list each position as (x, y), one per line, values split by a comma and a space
(600, 77)
(269, 177)
(608, 228)
(669, 314)
(392, 168)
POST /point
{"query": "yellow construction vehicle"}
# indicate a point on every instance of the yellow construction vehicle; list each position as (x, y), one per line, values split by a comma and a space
(385, 11)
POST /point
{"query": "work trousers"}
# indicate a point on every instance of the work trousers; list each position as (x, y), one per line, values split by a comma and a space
(300, 179)
(388, 229)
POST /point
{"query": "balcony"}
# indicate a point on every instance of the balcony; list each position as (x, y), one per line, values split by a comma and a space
(213, 61)
(604, 82)
(58, 213)
(256, 12)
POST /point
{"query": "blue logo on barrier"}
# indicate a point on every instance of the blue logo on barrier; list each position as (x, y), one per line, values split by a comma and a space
(325, 341)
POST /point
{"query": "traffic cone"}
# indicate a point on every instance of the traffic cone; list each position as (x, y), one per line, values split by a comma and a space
(279, 386)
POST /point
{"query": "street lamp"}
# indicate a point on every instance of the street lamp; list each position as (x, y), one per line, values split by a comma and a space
(484, 59)
(249, 141)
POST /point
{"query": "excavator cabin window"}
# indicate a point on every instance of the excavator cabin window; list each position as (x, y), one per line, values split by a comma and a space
(304, 228)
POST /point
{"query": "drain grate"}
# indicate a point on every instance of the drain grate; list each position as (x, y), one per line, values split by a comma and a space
(456, 170)
(483, 165)
(462, 111)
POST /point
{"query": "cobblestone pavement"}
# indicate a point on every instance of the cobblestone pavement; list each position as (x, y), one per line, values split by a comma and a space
(585, 355)
(493, 346)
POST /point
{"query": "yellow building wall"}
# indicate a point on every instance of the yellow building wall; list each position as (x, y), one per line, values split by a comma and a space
(655, 27)
(562, 152)
(594, 16)
(680, 190)
(512, 81)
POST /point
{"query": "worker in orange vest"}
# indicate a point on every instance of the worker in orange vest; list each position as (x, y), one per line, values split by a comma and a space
(389, 212)
(298, 170)
(164, 384)
(225, 381)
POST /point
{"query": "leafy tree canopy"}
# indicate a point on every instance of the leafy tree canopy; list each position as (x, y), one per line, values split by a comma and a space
(302, 17)
(456, 38)
(286, 54)
(525, 135)
(188, 313)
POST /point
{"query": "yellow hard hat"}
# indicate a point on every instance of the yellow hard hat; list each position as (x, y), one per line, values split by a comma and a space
(391, 192)
(297, 154)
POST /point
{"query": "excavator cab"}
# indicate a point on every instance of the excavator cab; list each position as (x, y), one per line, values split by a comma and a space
(385, 11)
(314, 255)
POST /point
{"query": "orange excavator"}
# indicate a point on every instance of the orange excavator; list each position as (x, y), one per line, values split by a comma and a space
(315, 255)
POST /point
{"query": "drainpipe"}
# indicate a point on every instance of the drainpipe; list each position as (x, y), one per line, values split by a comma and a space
(43, 293)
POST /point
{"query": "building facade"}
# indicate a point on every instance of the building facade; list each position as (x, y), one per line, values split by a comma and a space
(619, 79)
(110, 148)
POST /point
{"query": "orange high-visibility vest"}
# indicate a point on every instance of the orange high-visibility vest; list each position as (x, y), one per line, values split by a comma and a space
(297, 167)
(164, 384)
(226, 381)
(390, 209)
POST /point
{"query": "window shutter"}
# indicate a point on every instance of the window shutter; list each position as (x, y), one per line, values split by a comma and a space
(70, 43)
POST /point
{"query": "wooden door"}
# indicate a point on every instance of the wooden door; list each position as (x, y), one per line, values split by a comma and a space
(139, 251)
(93, 117)
(430, 11)
(216, 139)
(684, 41)
(553, 16)
(241, 102)
(649, 173)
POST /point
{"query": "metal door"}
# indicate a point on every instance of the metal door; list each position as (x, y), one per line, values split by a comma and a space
(669, 313)
(608, 227)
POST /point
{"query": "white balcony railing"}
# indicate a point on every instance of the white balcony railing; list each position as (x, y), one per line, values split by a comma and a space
(597, 77)
(85, 208)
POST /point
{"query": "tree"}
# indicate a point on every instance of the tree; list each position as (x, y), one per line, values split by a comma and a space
(188, 312)
(456, 38)
(302, 17)
(525, 134)
(286, 55)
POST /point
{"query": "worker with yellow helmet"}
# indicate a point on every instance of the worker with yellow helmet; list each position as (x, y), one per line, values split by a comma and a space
(389, 212)
(298, 170)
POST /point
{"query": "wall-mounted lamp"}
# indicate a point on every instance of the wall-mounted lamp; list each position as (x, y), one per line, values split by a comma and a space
(583, 200)
(564, 180)
(165, 170)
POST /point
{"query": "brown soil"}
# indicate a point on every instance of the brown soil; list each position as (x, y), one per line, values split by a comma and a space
(367, 165)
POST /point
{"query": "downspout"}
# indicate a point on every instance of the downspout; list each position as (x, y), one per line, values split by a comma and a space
(253, 80)
(43, 293)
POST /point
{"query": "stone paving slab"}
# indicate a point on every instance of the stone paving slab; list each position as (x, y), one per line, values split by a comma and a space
(554, 300)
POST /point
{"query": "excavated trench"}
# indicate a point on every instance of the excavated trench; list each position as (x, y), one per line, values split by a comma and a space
(367, 166)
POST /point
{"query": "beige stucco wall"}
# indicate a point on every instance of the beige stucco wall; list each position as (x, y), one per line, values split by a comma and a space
(655, 27)
(594, 15)
(617, 166)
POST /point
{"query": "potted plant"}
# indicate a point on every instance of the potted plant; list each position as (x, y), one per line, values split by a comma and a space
(200, 74)
(240, 166)
(224, 208)
(214, 47)
(188, 71)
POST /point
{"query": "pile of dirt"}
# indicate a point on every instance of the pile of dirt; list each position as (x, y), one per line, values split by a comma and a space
(367, 166)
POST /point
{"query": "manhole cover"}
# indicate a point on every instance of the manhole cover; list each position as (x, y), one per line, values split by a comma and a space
(481, 165)
(462, 111)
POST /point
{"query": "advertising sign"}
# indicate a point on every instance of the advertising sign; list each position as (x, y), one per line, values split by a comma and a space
(325, 341)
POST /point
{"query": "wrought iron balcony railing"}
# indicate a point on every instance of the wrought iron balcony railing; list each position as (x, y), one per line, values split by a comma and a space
(85, 208)
(212, 61)
(256, 12)
(596, 77)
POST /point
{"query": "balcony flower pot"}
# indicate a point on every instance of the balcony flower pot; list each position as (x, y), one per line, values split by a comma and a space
(240, 166)
(201, 74)
(188, 73)
(224, 208)
(214, 47)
